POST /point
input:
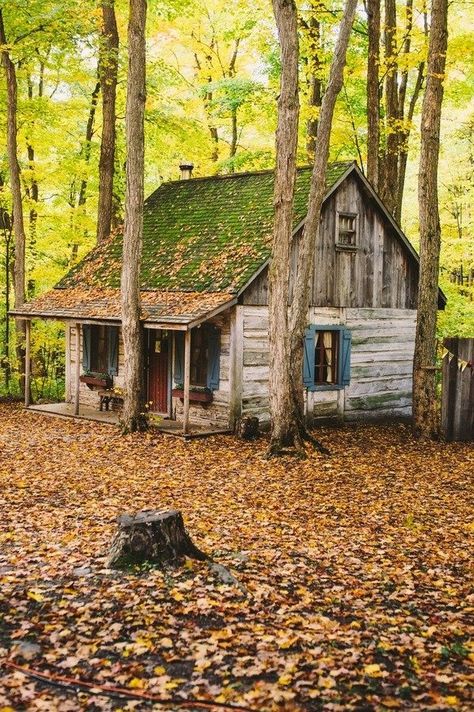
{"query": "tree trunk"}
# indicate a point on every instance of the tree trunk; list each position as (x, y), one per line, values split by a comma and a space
(315, 84)
(307, 244)
(390, 161)
(133, 418)
(88, 140)
(18, 222)
(156, 537)
(108, 69)
(373, 99)
(282, 432)
(425, 411)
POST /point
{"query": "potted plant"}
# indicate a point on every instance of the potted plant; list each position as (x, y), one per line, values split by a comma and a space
(199, 394)
(100, 380)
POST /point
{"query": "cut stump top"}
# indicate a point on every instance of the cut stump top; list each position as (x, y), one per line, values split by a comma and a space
(147, 516)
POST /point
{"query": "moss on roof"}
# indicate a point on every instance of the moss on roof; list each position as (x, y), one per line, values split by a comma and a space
(203, 234)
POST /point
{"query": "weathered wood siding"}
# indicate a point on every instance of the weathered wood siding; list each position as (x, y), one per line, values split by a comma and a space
(457, 405)
(217, 413)
(86, 395)
(381, 364)
(383, 342)
(380, 273)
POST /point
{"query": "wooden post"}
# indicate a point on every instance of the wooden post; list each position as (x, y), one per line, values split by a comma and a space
(77, 369)
(27, 362)
(187, 369)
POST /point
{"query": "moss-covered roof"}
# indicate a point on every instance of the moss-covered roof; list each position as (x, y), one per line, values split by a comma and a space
(204, 234)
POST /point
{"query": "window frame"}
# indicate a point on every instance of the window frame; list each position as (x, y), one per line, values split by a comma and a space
(99, 347)
(111, 339)
(344, 336)
(337, 368)
(341, 245)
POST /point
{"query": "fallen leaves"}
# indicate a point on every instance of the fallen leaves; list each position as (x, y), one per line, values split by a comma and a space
(358, 570)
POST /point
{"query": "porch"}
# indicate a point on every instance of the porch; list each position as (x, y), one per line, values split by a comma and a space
(167, 427)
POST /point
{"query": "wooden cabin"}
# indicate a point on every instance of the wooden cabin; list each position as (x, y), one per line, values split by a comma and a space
(204, 288)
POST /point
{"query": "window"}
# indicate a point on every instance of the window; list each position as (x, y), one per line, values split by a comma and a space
(327, 352)
(98, 356)
(205, 357)
(326, 357)
(199, 357)
(346, 237)
(100, 349)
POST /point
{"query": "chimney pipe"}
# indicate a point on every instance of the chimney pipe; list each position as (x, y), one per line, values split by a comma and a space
(186, 170)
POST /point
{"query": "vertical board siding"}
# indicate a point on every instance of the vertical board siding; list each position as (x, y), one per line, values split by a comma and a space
(378, 274)
(457, 404)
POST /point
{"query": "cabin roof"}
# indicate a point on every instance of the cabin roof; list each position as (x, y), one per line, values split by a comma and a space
(204, 240)
(104, 304)
(203, 234)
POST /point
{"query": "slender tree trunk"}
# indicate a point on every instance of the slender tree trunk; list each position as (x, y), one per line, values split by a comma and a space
(307, 245)
(315, 83)
(133, 418)
(390, 168)
(108, 69)
(404, 139)
(86, 151)
(282, 432)
(18, 222)
(373, 99)
(425, 411)
(88, 141)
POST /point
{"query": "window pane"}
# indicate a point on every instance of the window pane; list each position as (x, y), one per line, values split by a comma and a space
(199, 357)
(326, 357)
(99, 349)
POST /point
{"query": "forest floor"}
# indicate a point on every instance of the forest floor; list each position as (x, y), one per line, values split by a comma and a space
(356, 567)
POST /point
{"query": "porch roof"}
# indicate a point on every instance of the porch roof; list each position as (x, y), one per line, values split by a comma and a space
(164, 308)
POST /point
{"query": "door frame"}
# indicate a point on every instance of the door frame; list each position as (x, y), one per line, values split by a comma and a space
(153, 332)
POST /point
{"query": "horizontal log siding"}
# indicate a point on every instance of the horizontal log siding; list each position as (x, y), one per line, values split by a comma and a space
(320, 405)
(217, 413)
(381, 363)
(87, 396)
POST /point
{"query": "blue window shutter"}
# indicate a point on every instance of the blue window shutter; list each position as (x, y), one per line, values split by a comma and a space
(346, 357)
(308, 357)
(213, 357)
(112, 350)
(178, 357)
(86, 347)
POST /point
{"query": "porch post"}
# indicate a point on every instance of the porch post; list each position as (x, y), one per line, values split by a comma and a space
(77, 369)
(27, 362)
(187, 369)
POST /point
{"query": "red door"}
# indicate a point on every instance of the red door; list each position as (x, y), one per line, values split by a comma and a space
(158, 371)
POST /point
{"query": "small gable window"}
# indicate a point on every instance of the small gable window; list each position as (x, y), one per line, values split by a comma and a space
(100, 349)
(346, 231)
(327, 354)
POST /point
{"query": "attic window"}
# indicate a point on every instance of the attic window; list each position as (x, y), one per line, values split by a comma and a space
(346, 231)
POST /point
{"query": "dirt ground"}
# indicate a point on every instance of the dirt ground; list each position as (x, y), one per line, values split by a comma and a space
(356, 567)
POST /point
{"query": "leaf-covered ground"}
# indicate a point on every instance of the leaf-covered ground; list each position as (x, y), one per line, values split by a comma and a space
(357, 568)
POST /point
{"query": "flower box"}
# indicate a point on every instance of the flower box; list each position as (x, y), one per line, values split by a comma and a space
(99, 380)
(195, 396)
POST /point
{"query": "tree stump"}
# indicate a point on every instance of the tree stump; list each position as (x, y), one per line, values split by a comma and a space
(248, 428)
(158, 537)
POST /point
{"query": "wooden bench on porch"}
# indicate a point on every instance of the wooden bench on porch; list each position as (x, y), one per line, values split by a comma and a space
(108, 396)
